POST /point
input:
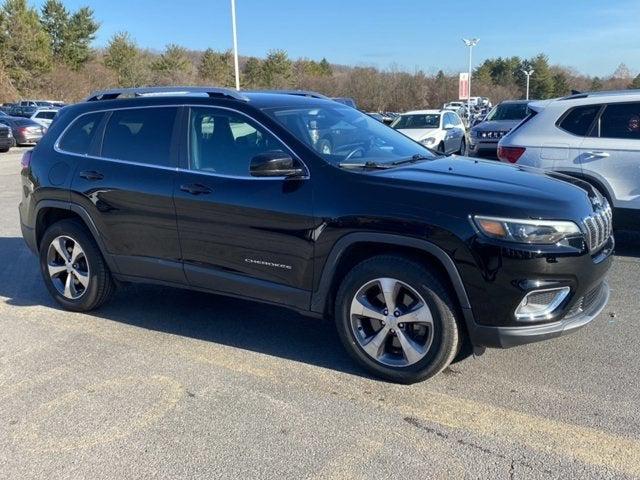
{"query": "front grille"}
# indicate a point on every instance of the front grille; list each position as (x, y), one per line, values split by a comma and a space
(586, 302)
(598, 226)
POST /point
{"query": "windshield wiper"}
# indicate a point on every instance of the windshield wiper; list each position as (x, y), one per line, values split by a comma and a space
(364, 165)
(415, 158)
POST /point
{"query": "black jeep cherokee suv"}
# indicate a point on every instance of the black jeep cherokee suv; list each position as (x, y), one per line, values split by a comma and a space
(412, 253)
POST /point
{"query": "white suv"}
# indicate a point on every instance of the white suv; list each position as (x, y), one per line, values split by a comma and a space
(592, 136)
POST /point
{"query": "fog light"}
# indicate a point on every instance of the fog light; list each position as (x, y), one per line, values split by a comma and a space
(540, 304)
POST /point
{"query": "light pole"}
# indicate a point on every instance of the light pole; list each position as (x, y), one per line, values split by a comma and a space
(235, 43)
(469, 43)
(528, 73)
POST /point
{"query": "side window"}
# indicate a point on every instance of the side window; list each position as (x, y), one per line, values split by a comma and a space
(448, 120)
(621, 121)
(579, 119)
(141, 135)
(223, 142)
(78, 137)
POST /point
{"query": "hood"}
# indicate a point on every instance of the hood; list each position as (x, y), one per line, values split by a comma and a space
(496, 126)
(417, 133)
(493, 188)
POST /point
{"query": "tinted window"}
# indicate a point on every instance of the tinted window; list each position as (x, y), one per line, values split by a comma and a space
(46, 115)
(422, 120)
(509, 111)
(621, 121)
(223, 142)
(366, 140)
(141, 135)
(77, 138)
(579, 119)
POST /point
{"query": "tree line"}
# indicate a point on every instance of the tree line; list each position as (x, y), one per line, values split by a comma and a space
(49, 53)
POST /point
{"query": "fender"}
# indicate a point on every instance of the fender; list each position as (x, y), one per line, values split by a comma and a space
(86, 218)
(319, 297)
(602, 186)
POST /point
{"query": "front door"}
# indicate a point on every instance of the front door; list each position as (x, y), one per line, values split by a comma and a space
(241, 234)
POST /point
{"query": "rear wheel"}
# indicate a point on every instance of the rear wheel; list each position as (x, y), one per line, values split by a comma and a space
(72, 266)
(397, 319)
(463, 147)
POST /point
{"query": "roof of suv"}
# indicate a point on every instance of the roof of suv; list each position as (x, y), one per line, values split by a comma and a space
(258, 98)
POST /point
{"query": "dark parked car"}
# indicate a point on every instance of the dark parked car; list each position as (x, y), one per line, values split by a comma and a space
(414, 255)
(25, 131)
(484, 136)
(6, 138)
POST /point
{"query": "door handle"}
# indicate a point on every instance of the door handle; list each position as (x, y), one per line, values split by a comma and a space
(91, 175)
(195, 189)
(597, 154)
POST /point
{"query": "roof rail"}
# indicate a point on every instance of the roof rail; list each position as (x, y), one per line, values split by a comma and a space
(600, 93)
(165, 91)
(300, 93)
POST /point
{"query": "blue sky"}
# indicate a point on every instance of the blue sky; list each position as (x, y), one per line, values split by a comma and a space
(589, 35)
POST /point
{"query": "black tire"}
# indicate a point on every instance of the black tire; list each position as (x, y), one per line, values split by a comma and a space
(4, 150)
(100, 286)
(446, 332)
(463, 147)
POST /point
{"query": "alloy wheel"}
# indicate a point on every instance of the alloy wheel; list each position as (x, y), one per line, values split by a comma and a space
(391, 322)
(68, 267)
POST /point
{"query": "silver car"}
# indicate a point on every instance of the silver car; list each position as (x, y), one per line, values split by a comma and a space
(592, 136)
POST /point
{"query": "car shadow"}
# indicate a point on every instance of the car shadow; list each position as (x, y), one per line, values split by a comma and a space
(233, 322)
(628, 243)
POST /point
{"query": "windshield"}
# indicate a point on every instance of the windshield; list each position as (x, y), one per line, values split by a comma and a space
(509, 111)
(341, 134)
(429, 120)
(46, 115)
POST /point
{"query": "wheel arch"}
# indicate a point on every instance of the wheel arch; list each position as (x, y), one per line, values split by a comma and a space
(48, 212)
(600, 184)
(356, 247)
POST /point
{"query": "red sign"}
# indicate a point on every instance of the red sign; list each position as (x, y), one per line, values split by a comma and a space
(463, 86)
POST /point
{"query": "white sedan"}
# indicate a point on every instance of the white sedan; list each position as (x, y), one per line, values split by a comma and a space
(44, 116)
(440, 130)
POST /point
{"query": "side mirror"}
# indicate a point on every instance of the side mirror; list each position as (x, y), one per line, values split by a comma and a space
(275, 164)
(448, 126)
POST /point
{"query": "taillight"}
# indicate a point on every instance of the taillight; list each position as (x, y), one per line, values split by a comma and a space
(510, 154)
(26, 159)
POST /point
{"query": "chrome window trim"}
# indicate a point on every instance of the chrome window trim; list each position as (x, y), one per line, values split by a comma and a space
(56, 145)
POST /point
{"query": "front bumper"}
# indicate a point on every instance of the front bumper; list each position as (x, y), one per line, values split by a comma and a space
(483, 149)
(505, 337)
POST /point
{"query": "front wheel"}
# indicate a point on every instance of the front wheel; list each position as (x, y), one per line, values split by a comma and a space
(72, 266)
(397, 319)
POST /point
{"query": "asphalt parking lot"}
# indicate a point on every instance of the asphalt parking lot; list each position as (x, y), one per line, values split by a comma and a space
(164, 383)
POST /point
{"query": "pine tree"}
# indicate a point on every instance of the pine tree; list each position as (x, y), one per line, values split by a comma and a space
(542, 83)
(25, 46)
(70, 34)
(123, 57)
(217, 68)
(173, 66)
(277, 69)
(636, 82)
(253, 75)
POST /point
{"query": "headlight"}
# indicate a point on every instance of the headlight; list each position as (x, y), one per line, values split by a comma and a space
(428, 141)
(527, 231)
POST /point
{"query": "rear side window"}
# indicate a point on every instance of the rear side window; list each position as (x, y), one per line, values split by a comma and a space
(141, 135)
(78, 137)
(46, 115)
(621, 121)
(579, 119)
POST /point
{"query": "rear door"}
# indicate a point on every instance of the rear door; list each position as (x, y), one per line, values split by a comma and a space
(240, 234)
(611, 153)
(126, 185)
